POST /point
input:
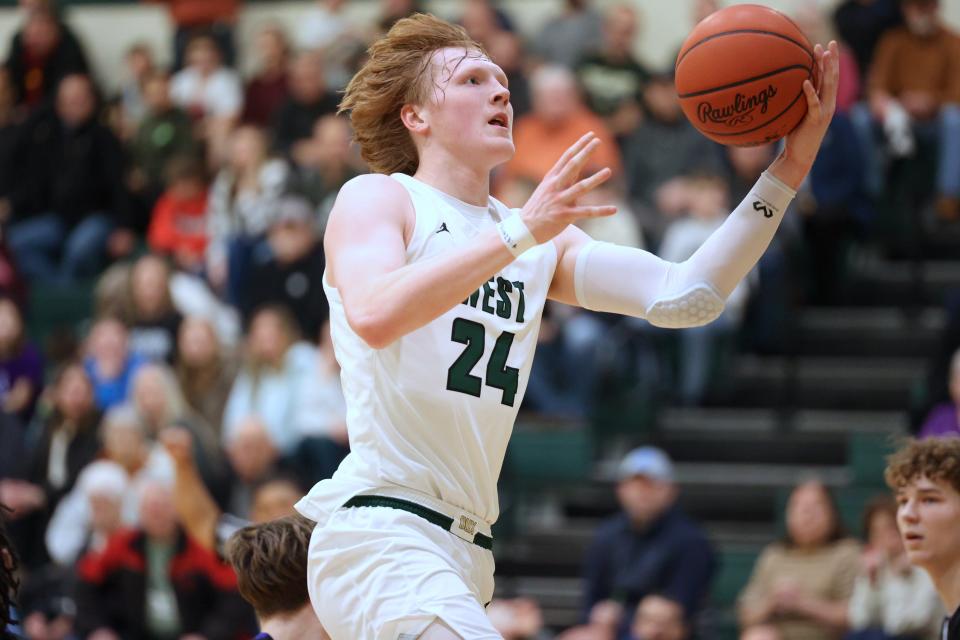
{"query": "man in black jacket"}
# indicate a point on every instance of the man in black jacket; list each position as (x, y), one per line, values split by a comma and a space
(650, 547)
(42, 53)
(309, 100)
(291, 276)
(68, 199)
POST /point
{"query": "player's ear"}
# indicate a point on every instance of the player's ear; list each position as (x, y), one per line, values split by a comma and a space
(412, 117)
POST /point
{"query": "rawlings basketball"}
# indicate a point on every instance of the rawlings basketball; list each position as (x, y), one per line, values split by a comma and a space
(740, 74)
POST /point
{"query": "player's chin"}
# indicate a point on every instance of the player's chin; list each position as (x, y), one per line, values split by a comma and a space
(502, 149)
(919, 557)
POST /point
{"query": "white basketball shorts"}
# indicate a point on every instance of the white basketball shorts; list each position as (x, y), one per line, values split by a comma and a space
(377, 573)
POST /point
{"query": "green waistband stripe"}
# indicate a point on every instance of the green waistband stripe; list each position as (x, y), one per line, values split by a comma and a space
(434, 517)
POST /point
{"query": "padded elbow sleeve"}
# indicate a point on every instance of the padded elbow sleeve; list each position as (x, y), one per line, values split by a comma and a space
(632, 282)
(629, 281)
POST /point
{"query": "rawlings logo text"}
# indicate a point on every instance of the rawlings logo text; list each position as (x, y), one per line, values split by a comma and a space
(740, 111)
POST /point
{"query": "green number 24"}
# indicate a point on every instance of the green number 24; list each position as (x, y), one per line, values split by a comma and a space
(499, 375)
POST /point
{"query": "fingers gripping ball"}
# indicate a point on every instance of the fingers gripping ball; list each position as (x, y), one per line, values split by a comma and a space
(740, 74)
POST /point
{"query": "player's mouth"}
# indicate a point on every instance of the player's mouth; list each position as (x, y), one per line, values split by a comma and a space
(500, 120)
(912, 539)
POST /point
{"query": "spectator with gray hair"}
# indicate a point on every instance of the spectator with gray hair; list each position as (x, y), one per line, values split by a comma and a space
(90, 514)
(106, 495)
(154, 581)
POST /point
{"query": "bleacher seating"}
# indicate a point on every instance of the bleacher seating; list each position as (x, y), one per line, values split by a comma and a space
(848, 389)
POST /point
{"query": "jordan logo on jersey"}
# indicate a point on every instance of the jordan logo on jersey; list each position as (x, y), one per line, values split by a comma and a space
(500, 297)
(443, 227)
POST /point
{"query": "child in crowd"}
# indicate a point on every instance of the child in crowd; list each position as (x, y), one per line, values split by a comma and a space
(178, 226)
(707, 203)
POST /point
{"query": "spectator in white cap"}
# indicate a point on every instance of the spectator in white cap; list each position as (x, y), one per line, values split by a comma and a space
(90, 514)
(650, 547)
(107, 494)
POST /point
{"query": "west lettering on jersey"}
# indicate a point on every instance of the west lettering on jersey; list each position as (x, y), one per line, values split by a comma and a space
(504, 287)
(487, 294)
(500, 297)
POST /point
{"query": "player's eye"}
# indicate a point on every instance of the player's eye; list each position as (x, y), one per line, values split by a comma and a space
(473, 80)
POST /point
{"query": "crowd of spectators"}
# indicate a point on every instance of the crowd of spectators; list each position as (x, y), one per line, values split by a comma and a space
(195, 198)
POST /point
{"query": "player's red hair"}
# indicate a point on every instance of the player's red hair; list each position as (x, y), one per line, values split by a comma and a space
(397, 73)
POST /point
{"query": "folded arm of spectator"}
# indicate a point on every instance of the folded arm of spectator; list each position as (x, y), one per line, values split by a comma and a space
(865, 607)
(832, 613)
(755, 606)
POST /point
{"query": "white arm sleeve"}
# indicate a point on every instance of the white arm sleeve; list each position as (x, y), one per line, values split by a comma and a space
(633, 282)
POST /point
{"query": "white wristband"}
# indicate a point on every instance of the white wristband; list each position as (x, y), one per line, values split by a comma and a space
(515, 234)
(771, 196)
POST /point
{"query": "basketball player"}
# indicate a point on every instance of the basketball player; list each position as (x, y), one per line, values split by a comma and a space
(270, 560)
(925, 475)
(436, 291)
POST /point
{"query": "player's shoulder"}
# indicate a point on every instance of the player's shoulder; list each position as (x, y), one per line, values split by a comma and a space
(371, 185)
(372, 196)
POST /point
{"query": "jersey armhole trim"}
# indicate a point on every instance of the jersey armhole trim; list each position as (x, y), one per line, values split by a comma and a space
(413, 206)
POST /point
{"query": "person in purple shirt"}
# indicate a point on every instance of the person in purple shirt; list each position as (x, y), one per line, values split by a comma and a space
(21, 367)
(944, 418)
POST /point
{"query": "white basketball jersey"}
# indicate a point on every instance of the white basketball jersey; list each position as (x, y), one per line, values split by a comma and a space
(434, 410)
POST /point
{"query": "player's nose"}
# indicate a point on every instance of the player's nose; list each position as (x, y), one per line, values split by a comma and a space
(501, 96)
(907, 511)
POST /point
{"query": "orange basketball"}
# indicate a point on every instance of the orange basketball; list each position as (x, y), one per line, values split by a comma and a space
(740, 75)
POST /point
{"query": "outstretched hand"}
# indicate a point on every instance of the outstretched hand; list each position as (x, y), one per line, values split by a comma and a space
(803, 142)
(553, 205)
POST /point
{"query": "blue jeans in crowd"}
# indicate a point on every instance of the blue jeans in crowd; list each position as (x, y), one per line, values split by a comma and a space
(46, 249)
(944, 129)
(243, 253)
(947, 130)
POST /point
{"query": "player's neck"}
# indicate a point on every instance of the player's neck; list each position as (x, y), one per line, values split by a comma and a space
(301, 624)
(464, 182)
(947, 582)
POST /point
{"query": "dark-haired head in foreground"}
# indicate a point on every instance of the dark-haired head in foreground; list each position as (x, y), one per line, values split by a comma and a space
(270, 560)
